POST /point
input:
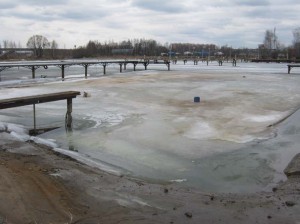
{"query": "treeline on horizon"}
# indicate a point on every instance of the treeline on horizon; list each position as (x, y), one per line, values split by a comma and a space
(271, 48)
(138, 47)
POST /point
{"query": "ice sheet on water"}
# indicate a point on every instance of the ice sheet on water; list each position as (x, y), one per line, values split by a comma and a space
(238, 104)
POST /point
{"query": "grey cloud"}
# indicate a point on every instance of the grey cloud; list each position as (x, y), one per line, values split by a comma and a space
(7, 5)
(159, 6)
(42, 3)
(250, 2)
(83, 15)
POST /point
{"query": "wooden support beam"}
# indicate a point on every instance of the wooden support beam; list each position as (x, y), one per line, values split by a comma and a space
(104, 69)
(69, 114)
(33, 71)
(33, 68)
(34, 119)
(85, 70)
(120, 67)
(168, 65)
(44, 98)
(63, 72)
(145, 65)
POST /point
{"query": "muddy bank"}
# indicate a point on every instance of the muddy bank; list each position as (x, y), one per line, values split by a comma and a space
(40, 186)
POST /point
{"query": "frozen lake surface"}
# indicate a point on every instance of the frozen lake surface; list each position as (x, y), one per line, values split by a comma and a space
(146, 125)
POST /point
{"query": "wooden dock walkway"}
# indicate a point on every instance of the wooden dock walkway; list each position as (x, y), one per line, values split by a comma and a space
(33, 66)
(43, 98)
(290, 66)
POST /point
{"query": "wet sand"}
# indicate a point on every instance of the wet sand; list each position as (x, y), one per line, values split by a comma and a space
(41, 186)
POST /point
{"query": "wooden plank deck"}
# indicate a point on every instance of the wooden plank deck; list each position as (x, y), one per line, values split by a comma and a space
(33, 66)
(43, 98)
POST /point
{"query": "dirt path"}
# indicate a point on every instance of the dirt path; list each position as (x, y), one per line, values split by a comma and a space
(40, 186)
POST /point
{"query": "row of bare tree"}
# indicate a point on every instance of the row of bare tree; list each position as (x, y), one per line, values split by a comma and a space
(270, 48)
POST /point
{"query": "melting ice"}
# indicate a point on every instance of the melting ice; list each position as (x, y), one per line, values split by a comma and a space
(146, 124)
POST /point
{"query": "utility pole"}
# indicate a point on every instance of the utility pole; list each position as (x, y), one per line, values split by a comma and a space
(274, 38)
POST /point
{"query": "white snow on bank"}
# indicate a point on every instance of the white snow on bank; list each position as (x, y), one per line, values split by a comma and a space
(16, 128)
(19, 132)
(178, 180)
(20, 137)
(88, 161)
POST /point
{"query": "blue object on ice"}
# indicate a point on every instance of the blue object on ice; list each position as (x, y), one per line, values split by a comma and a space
(196, 99)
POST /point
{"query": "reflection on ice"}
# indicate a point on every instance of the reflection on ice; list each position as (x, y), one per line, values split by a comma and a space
(146, 123)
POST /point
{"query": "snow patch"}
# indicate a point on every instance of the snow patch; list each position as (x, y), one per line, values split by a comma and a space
(178, 180)
(201, 130)
(20, 136)
(263, 118)
(45, 142)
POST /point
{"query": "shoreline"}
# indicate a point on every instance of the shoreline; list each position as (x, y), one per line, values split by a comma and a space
(43, 186)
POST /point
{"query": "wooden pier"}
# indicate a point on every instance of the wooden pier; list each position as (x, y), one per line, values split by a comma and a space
(43, 98)
(290, 67)
(33, 66)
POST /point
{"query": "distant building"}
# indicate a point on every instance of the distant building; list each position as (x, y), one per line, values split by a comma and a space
(172, 53)
(187, 53)
(202, 53)
(219, 53)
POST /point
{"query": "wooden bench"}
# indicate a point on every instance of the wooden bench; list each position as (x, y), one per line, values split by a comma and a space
(43, 98)
(291, 66)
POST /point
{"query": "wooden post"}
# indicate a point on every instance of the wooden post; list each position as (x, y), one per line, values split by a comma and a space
(125, 65)
(69, 114)
(134, 66)
(34, 119)
(63, 72)
(104, 69)
(33, 72)
(85, 70)
(145, 64)
(120, 67)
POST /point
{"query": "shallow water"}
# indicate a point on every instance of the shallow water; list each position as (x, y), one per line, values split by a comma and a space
(147, 124)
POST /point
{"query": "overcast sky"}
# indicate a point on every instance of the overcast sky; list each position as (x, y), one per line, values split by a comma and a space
(237, 23)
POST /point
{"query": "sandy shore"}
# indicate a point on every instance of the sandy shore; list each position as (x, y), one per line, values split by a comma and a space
(41, 186)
